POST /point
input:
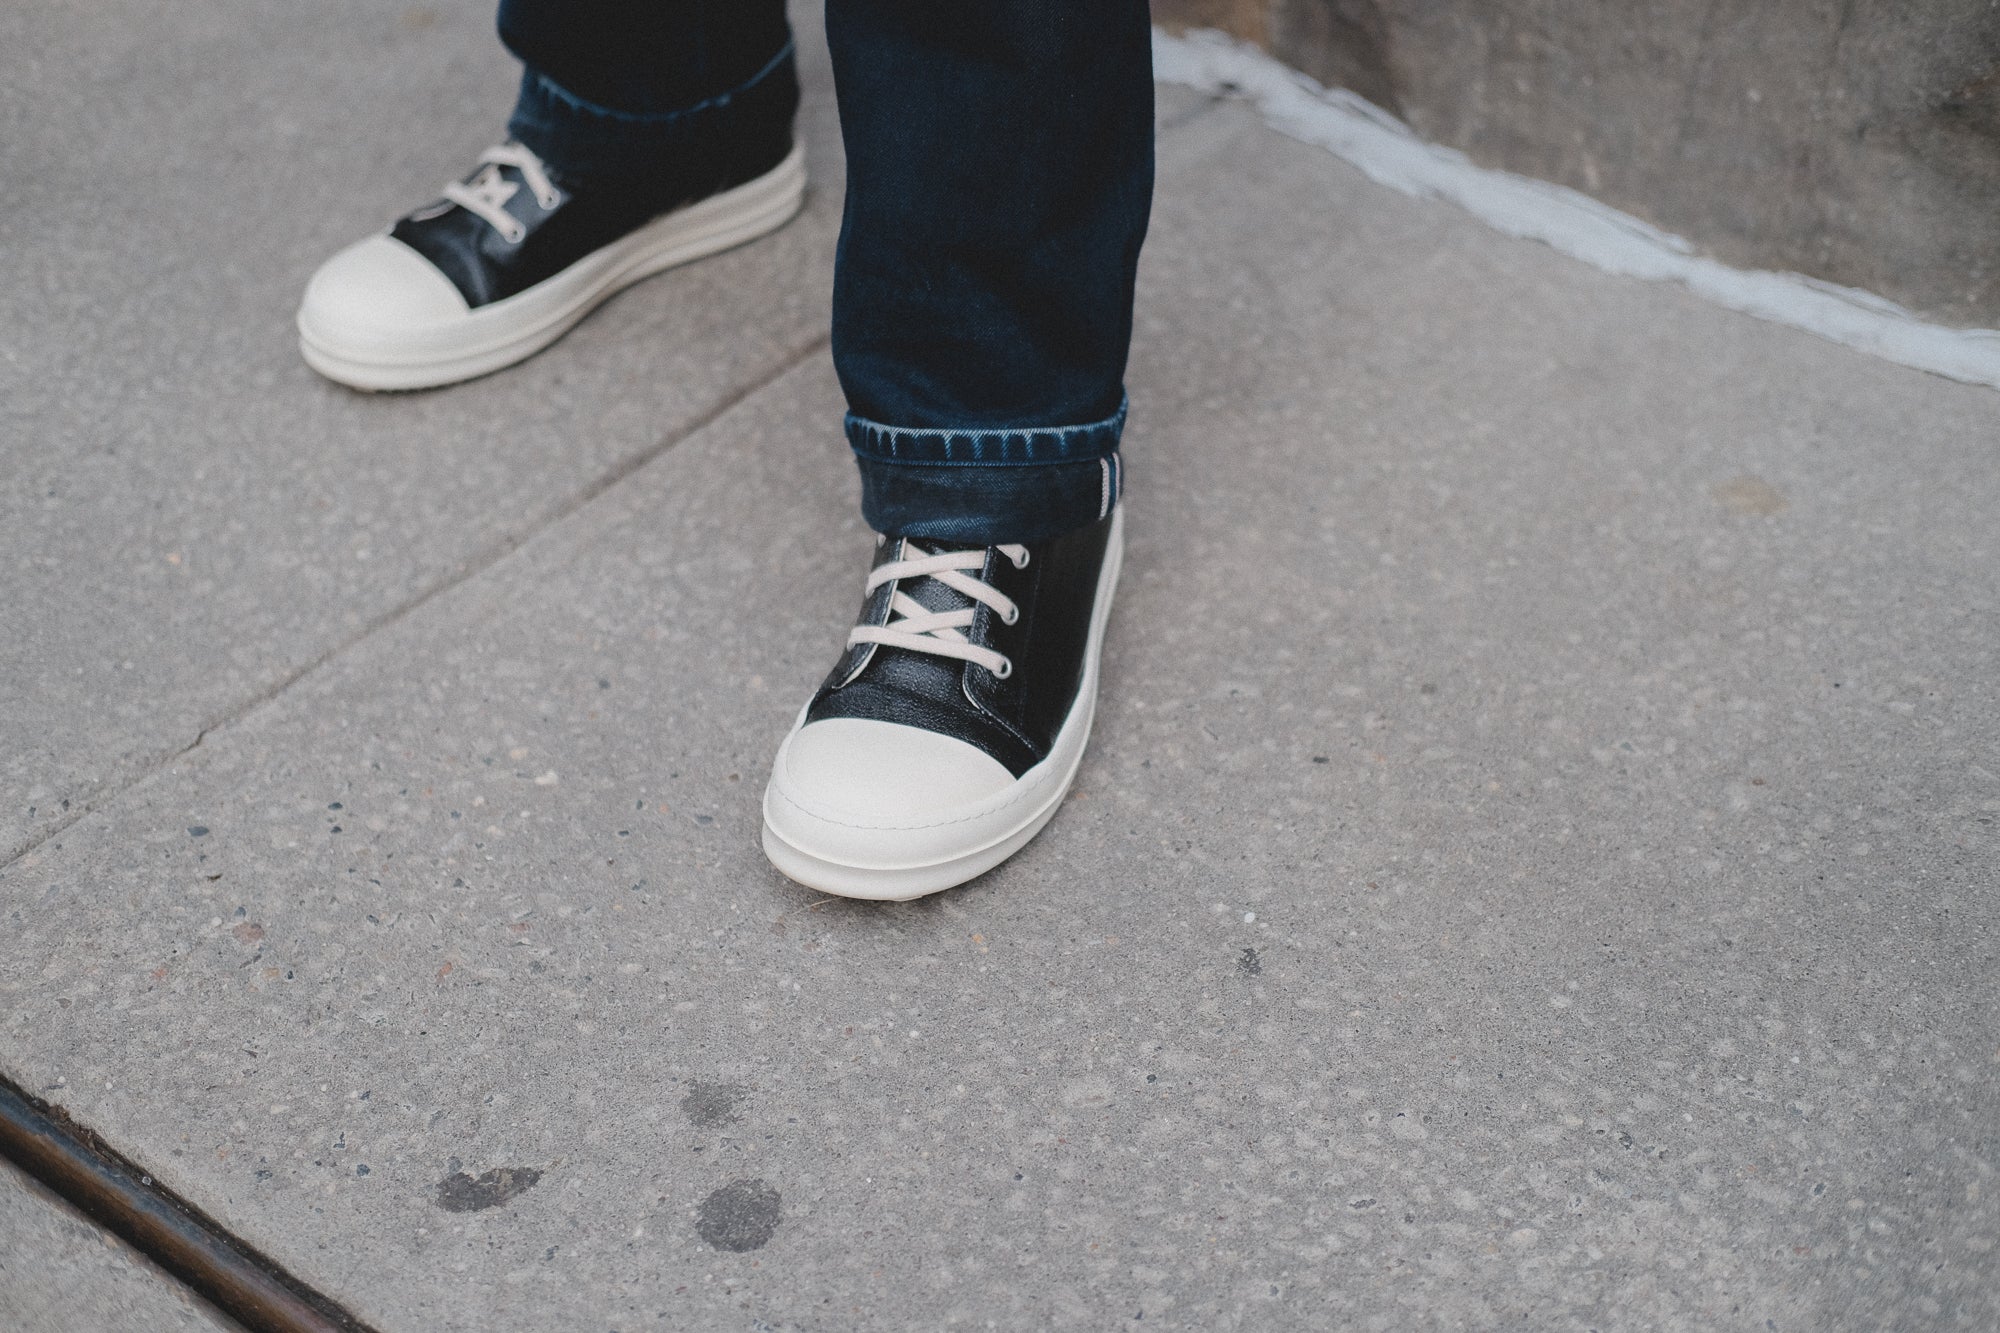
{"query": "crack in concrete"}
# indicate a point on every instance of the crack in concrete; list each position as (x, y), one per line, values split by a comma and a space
(112, 789)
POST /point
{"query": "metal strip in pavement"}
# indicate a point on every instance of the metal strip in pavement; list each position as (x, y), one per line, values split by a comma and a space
(125, 1199)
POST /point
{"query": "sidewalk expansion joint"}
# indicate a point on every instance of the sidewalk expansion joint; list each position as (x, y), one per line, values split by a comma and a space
(126, 1200)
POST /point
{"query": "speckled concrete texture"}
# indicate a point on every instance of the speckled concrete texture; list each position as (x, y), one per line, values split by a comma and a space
(1535, 865)
(60, 1273)
(192, 516)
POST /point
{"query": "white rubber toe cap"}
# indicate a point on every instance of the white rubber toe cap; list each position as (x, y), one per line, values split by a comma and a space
(885, 774)
(374, 296)
(876, 794)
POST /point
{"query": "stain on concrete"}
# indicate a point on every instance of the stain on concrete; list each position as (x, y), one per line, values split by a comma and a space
(1342, 43)
(1750, 495)
(460, 1193)
(742, 1215)
(1976, 105)
(713, 1105)
(1250, 963)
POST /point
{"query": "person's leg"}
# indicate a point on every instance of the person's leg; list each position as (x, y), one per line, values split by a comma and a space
(999, 177)
(647, 88)
(646, 133)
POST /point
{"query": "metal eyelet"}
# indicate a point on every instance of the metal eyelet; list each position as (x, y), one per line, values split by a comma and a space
(1006, 669)
(1013, 614)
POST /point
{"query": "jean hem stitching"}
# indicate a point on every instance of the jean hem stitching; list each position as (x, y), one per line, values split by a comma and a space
(938, 445)
(571, 103)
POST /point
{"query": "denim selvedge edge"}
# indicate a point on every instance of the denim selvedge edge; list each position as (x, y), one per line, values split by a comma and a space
(1020, 446)
(985, 487)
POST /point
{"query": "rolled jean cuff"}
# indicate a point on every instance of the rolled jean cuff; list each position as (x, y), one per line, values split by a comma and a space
(582, 139)
(986, 487)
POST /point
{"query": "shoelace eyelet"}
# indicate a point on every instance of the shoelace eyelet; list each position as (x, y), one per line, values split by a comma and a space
(1013, 615)
(1006, 669)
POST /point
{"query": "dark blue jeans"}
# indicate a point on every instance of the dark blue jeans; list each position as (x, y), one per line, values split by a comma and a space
(999, 176)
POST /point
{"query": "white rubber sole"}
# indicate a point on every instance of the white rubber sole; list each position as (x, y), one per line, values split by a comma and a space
(995, 829)
(494, 336)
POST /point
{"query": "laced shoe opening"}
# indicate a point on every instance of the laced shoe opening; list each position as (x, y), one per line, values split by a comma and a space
(916, 628)
(486, 194)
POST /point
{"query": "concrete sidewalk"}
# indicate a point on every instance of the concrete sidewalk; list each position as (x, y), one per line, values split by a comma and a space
(1536, 862)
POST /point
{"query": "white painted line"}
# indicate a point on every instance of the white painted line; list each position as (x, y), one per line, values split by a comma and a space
(1390, 153)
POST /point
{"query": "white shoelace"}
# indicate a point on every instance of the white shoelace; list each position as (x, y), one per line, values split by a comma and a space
(486, 194)
(922, 630)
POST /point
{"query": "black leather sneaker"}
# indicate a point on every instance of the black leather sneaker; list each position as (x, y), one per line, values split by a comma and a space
(514, 255)
(953, 724)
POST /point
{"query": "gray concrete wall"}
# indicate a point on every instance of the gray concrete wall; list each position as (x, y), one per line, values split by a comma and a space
(1856, 142)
